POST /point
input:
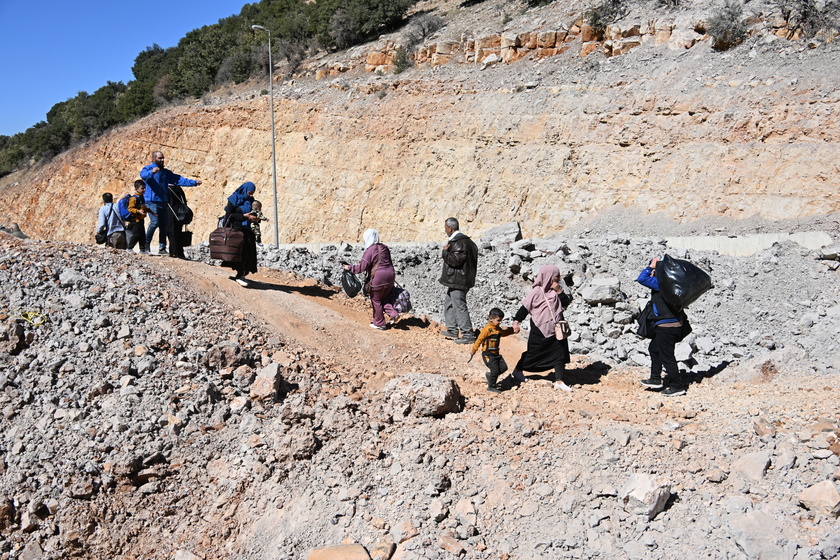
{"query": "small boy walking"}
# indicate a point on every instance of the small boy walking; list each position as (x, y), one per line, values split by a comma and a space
(256, 210)
(134, 225)
(490, 337)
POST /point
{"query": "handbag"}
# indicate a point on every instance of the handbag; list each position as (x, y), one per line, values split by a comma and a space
(562, 330)
(226, 244)
(185, 238)
(102, 235)
(401, 298)
(181, 211)
(351, 284)
(645, 321)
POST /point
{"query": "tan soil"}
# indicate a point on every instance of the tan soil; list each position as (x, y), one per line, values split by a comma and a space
(336, 327)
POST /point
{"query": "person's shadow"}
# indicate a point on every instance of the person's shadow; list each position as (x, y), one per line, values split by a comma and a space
(310, 291)
(589, 375)
(699, 376)
(409, 322)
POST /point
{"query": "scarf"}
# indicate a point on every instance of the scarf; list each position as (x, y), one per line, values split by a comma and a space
(241, 195)
(544, 316)
(370, 237)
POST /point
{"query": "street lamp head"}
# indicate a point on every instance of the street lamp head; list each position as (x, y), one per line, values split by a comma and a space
(258, 27)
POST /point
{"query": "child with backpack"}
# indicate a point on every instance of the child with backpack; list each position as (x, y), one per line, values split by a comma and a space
(132, 209)
(490, 337)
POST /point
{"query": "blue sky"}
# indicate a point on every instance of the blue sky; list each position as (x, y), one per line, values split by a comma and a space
(52, 49)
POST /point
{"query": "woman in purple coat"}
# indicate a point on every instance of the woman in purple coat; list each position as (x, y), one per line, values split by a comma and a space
(376, 263)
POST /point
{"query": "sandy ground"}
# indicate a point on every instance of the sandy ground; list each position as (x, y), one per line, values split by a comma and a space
(336, 327)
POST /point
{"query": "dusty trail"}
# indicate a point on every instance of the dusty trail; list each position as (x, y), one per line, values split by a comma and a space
(336, 327)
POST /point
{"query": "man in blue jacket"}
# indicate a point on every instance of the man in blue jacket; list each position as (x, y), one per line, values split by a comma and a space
(667, 332)
(158, 179)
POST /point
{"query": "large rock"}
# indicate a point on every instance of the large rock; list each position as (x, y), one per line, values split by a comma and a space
(601, 290)
(267, 383)
(503, 234)
(821, 497)
(340, 552)
(759, 537)
(422, 394)
(752, 465)
(645, 495)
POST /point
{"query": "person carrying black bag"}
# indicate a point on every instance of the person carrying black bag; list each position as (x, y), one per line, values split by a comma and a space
(668, 328)
(179, 215)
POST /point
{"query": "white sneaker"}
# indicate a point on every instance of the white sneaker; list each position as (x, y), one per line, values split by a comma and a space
(241, 281)
(562, 386)
(377, 328)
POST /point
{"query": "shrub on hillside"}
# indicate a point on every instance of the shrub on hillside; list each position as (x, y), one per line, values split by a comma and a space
(401, 62)
(421, 27)
(726, 26)
(603, 14)
(808, 17)
(358, 20)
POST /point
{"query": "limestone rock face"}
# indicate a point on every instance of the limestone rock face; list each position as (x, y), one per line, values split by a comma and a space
(509, 144)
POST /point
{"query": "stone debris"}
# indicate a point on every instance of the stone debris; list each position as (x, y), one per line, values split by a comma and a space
(601, 272)
(822, 497)
(204, 428)
(644, 495)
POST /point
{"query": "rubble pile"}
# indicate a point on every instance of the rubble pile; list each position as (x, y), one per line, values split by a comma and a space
(782, 303)
(143, 420)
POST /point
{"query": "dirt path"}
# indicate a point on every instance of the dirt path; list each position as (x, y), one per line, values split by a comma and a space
(336, 328)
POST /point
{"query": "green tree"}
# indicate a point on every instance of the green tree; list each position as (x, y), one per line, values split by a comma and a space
(358, 20)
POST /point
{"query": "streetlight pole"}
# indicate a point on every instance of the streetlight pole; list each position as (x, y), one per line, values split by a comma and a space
(273, 143)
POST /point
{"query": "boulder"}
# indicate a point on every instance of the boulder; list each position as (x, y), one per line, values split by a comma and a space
(503, 234)
(752, 465)
(340, 552)
(821, 497)
(758, 535)
(422, 394)
(267, 382)
(601, 291)
(682, 351)
(645, 495)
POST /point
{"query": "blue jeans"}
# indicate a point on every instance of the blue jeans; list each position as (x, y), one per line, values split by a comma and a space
(158, 218)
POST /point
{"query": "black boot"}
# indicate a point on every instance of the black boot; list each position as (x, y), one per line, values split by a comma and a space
(492, 382)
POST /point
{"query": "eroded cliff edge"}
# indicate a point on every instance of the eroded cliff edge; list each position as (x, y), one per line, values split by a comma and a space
(549, 142)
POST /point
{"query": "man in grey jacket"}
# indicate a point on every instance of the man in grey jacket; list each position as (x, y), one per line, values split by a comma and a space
(460, 262)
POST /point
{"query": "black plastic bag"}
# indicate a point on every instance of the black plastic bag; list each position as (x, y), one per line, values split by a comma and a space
(350, 283)
(645, 320)
(681, 282)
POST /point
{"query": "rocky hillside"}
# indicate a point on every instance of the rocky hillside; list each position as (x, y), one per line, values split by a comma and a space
(507, 114)
(153, 409)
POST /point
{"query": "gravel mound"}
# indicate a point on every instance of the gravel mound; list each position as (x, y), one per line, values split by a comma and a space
(141, 420)
(781, 304)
